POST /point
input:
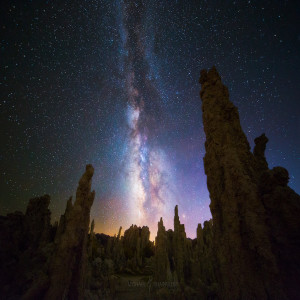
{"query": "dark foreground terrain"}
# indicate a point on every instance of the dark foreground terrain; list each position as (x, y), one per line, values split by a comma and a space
(250, 249)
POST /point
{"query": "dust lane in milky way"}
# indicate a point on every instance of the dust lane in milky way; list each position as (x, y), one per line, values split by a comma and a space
(148, 176)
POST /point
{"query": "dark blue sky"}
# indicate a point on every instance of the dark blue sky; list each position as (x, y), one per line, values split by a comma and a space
(76, 75)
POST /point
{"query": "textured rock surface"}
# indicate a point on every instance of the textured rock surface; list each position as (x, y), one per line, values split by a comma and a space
(250, 264)
(37, 221)
(282, 206)
(204, 264)
(69, 260)
(249, 250)
(24, 250)
(162, 266)
(136, 246)
(179, 246)
(259, 153)
(181, 251)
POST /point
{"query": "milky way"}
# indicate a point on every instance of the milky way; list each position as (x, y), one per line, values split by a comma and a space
(148, 176)
(115, 84)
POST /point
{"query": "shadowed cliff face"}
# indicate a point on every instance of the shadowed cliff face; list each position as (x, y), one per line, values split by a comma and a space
(250, 230)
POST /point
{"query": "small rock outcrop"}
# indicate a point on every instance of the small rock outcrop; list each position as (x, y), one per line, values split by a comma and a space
(137, 246)
(37, 221)
(259, 153)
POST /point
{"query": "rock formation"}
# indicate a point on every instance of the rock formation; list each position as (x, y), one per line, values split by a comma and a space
(249, 204)
(204, 264)
(181, 250)
(37, 221)
(162, 266)
(174, 251)
(261, 164)
(282, 207)
(92, 242)
(179, 246)
(41, 261)
(136, 246)
(70, 258)
(249, 250)
(24, 249)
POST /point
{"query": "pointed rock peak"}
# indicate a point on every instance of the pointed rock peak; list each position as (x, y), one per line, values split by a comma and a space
(92, 226)
(69, 204)
(259, 153)
(176, 219)
(120, 232)
(160, 224)
(87, 176)
(199, 229)
(176, 211)
(67, 268)
(83, 192)
(212, 75)
(160, 227)
(89, 170)
(260, 145)
(261, 139)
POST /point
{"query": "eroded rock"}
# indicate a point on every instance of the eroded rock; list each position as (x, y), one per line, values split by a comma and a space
(69, 261)
(245, 215)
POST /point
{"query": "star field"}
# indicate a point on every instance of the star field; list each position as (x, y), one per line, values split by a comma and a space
(115, 84)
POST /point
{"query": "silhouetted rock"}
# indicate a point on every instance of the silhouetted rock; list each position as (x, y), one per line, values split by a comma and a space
(259, 153)
(24, 251)
(92, 242)
(37, 221)
(69, 261)
(12, 244)
(136, 245)
(205, 264)
(179, 245)
(249, 261)
(282, 206)
(248, 250)
(62, 222)
(119, 233)
(162, 266)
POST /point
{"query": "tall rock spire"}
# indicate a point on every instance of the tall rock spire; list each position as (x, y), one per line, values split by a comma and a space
(249, 266)
(176, 219)
(162, 265)
(69, 261)
(179, 245)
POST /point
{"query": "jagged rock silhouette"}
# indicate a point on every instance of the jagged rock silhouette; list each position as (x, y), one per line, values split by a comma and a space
(250, 249)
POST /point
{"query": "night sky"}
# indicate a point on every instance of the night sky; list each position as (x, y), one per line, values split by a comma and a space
(115, 84)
